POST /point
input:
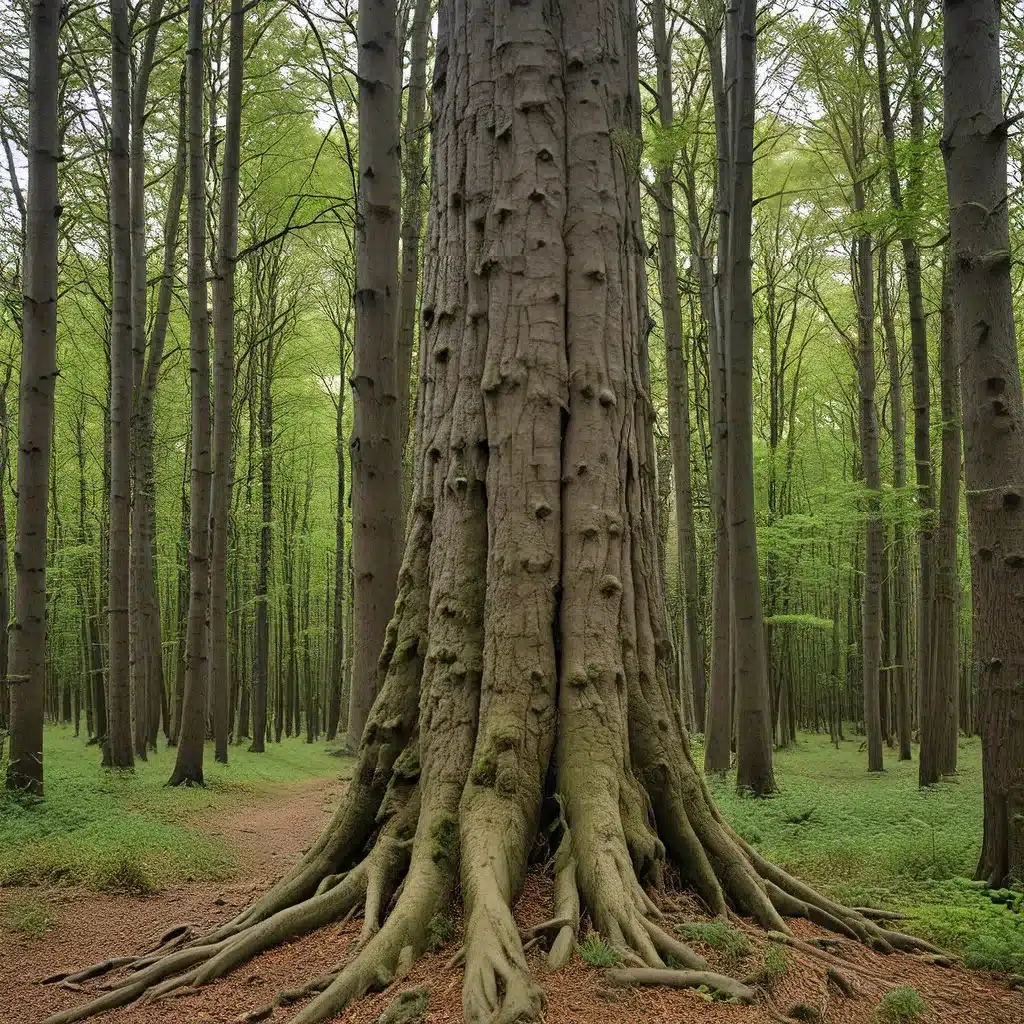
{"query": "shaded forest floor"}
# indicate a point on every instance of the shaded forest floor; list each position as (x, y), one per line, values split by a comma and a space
(868, 840)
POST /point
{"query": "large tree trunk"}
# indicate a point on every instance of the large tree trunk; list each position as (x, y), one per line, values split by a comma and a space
(940, 706)
(224, 374)
(533, 521)
(678, 381)
(753, 712)
(188, 763)
(376, 442)
(119, 578)
(974, 146)
(35, 420)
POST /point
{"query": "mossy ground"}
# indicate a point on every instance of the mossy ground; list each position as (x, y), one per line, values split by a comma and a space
(129, 831)
(881, 841)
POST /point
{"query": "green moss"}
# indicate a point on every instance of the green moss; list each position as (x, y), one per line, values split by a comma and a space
(717, 935)
(485, 769)
(440, 931)
(407, 1007)
(595, 952)
(902, 1005)
(445, 835)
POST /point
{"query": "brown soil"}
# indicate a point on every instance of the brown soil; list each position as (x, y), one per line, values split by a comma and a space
(270, 831)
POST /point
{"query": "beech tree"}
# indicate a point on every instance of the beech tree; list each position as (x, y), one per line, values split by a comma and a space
(376, 447)
(188, 764)
(974, 148)
(533, 515)
(35, 423)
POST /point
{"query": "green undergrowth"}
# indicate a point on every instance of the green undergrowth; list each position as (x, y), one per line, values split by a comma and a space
(902, 1005)
(27, 917)
(119, 831)
(881, 841)
(717, 935)
(595, 952)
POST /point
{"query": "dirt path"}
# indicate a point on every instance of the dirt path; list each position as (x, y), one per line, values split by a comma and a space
(269, 832)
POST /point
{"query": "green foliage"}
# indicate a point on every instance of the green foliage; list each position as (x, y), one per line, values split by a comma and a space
(813, 622)
(886, 843)
(593, 950)
(774, 967)
(902, 1005)
(124, 831)
(440, 931)
(28, 917)
(408, 1007)
(717, 935)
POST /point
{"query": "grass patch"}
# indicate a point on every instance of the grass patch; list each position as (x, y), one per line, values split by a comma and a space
(595, 952)
(881, 841)
(902, 1005)
(774, 967)
(123, 831)
(719, 936)
(28, 917)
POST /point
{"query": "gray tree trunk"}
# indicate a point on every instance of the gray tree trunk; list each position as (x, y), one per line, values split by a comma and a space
(376, 442)
(119, 709)
(224, 375)
(753, 713)
(678, 383)
(27, 675)
(188, 764)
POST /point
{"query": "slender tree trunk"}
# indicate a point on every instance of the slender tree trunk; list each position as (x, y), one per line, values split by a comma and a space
(5, 574)
(940, 720)
(337, 684)
(376, 441)
(413, 149)
(900, 560)
(678, 383)
(753, 714)
(119, 579)
(188, 764)
(224, 373)
(261, 654)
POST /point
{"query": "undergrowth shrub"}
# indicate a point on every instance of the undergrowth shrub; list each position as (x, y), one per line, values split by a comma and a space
(902, 1005)
(595, 952)
(28, 917)
(718, 936)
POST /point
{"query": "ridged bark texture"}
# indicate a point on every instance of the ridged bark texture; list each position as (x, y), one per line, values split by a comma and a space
(376, 426)
(224, 377)
(26, 677)
(188, 763)
(974, 147)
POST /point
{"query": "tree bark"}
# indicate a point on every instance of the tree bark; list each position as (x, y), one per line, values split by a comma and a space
(340, 563)
(678, 382)
(188, 763)
(224, 375)
(119, 579)
(753, 714)
(974, 147)
(413, 150)
(940, 720)
(376, 442)
(26, 678)
(900, 563)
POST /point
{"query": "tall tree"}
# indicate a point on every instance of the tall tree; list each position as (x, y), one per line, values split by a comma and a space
(376, 443)
(678, 377)
(753, 713)
(224, 374)
(940, 705)
(119, 574)
(974, 148)
(26, 677)
(188, 762)
(530, 619)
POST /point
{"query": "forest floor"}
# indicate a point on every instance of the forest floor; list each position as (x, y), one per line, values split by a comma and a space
(876, 841)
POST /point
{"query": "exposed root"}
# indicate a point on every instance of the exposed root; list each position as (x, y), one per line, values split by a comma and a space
(729, 987)
(95, 971)
(842, 983)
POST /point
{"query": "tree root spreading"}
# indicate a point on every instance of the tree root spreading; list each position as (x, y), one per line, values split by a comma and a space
(727, 986)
